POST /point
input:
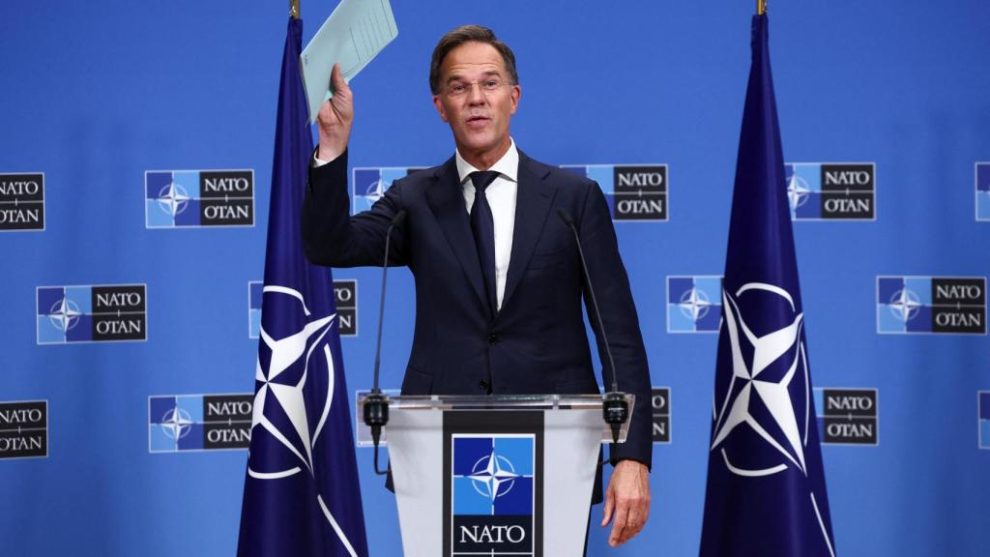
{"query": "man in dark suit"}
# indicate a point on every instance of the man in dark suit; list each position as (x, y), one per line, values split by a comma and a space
(498, 279)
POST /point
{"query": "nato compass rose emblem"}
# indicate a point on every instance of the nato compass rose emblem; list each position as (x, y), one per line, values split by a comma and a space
(176, 423)
(797, 192)
(375, 191)
(289, 373)
(757, 408)
(173, 199)
(493, 476)
(694, 304)
(904, 305)
(64, 314)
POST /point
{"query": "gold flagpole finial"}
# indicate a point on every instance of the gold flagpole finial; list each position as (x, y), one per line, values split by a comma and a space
(761, 7)
(294, 8)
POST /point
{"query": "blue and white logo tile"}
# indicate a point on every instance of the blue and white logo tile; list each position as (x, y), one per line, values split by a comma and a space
(694, 304)
(198, 198)
(931, 305)
(493, 491)
(183, 423)
(91, 313)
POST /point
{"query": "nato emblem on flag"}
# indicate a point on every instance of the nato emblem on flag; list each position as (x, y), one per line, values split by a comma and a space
(694, 304)
(301, 491)
(766, 487)
(493, 495)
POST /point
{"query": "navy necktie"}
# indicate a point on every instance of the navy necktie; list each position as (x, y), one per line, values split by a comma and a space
(483, 226)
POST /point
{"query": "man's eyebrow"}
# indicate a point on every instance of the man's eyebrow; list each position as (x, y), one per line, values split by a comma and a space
(459, 77)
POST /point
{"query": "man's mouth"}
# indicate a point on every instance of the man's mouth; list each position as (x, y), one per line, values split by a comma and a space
(477, 121)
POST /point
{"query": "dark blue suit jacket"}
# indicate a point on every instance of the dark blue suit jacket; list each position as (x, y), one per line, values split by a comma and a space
(537, 341)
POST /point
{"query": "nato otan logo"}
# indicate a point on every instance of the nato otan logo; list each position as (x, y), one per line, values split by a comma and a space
(931, 305)
(369, 184)
(194, 198)
(831, 191)
(694, 303)
(493, 495)
(847, 416)
(983, 402)
(24, 429)
(181, 423)
(983, 191)
(660, 405)
(635, 192)
(345, 293)
(22, 201)
(93, 313)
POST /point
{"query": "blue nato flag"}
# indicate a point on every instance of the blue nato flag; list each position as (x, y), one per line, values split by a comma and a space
(301, 494)
(766, 487)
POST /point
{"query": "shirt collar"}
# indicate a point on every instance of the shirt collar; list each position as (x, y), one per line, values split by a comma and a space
(507, 166)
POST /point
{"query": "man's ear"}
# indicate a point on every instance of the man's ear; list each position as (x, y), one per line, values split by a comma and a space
(515, 93)
(440, 109)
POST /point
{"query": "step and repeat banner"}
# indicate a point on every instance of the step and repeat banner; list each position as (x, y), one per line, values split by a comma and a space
(135, 169)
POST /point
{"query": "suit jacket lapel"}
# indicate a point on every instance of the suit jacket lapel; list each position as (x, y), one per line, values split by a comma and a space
(446, 200)
(534, 197)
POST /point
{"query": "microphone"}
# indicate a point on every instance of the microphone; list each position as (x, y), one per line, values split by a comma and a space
(615, 409)
(376, 403)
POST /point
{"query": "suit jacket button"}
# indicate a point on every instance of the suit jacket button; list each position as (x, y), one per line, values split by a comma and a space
(492, 338)
(484, 386)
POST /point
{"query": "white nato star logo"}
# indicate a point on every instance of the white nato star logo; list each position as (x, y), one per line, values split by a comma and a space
(375, 191)
(64, 314)
(176, 423)
(173, 199)
(493, 476)
(289, 394)
(904, 305)
(694, 304)
(797, 191)
(766, 349)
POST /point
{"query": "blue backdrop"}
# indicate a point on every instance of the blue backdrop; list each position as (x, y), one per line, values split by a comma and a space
(96, 94)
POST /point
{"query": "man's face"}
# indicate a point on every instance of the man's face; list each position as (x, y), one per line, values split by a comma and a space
(477, 99)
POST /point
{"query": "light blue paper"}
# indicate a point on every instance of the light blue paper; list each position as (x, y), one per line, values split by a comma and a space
(352, 36)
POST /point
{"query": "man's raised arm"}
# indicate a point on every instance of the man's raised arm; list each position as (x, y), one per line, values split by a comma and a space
(330, 235)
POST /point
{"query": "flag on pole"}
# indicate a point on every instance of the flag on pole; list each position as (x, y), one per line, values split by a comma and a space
(301, 494)
(766, 487)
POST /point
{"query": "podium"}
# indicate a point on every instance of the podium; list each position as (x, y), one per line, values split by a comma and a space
(495, 475)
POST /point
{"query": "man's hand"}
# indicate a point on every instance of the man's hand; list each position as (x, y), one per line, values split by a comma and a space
(335, 118)
(627, 500)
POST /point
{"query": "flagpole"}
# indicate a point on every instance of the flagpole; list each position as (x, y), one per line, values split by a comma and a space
(294, 9)
(761, 7)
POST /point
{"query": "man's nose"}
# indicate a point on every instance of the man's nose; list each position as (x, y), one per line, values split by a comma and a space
(476, 95)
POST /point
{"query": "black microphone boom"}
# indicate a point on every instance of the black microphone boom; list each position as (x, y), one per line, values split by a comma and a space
(376, 403)
(614, 407)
